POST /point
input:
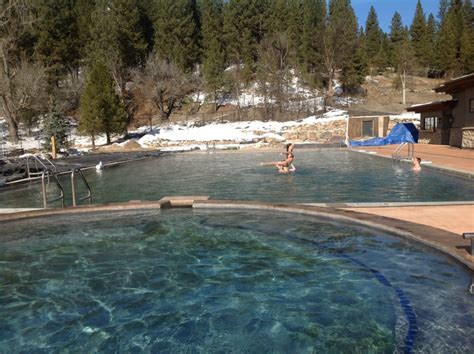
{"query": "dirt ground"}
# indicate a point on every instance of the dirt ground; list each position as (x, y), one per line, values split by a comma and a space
(383, 98)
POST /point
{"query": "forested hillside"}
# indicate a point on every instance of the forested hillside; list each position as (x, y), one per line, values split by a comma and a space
(101, 60)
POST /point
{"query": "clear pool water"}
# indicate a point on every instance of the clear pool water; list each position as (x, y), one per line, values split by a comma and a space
(325, 175)
(184, 281)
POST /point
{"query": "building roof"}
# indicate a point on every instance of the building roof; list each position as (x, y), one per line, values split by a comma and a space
(457, 84)
(433, 106)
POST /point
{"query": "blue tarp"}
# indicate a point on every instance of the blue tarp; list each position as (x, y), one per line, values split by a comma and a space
(401, 133)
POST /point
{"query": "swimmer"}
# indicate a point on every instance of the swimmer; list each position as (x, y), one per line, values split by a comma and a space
(416, 164)
(286, 165)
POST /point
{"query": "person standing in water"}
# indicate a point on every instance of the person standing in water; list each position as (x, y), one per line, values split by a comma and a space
(286, 165)
(416, 164)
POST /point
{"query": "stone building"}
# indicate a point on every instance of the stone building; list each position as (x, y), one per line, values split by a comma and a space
(449, 122)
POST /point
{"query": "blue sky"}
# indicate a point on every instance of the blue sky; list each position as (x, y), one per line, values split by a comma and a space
(386, 8)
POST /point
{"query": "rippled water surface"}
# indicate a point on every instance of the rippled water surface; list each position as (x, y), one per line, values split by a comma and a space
(324, 175)
(184, 281)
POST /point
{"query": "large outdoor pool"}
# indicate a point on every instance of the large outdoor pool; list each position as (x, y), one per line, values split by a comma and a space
(324, 175)
(196, 281)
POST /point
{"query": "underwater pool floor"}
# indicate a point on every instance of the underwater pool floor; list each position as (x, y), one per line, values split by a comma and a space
(245, 281)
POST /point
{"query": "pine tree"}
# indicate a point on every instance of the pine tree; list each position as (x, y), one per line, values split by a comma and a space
(311, 48)
(373, 37)
(355, 71)
(83, 10)
(442, 10)
(58, 38)
(117, 38)
(404, 62)
(128, 34)
(177, 34)
(449, 40)
(101, 110)
(418, 35)
(55, 124)
(339, 41)
(278, 17)
(213, 64)
(467, 39)
(244, 28)
(430, 42)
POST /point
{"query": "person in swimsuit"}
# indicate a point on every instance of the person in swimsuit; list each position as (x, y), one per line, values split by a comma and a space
(286, 165)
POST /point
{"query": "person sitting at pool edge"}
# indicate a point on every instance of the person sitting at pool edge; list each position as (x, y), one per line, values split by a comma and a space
(416, 164)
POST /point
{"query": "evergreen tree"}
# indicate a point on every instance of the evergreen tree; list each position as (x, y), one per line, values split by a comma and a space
(128, 33)
(355, 71)
(117, 39)
(430, 42)
(101, 110)
(442, 10)
(339, 41)
(311, 48)
(244, 28)
(57, 37)
(83, 10)
(212, 46)
(467, 39)
(373, 36)
(404, 62)
(397, 32)
(278, 17)
(177, 34)
(449, 40)
(55, 124)
(418, 35)
(396, 35)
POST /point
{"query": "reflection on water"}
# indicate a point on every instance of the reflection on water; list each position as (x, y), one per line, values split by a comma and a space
(325, 175)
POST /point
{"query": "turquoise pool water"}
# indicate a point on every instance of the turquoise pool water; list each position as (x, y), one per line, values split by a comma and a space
(184, 281)
(325, 175)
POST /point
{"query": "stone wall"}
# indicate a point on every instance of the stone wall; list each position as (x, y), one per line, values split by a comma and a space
(330, 132)
(468, 138)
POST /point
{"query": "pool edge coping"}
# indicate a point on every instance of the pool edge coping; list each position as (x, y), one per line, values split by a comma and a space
(426, 235)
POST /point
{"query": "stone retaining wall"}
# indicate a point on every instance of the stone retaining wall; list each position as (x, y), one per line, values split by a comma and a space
(468, 138)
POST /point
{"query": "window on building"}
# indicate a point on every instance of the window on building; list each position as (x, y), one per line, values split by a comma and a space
(471, 105)
(430, 123)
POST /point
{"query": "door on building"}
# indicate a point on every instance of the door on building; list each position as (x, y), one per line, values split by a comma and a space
(367, 128)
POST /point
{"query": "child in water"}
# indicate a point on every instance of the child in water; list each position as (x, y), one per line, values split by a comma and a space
(416, 164)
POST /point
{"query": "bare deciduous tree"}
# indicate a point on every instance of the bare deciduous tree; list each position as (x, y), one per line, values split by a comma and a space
(163, 84)
(274, 68)
(21, 84)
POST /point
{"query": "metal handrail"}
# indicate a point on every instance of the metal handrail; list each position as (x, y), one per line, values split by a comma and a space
(37, 161)
(410, 153)
(58, 184)
(73, 186)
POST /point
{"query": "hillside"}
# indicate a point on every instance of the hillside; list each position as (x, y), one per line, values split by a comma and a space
(382, 98)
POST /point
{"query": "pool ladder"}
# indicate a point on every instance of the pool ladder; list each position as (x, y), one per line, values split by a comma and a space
(45, 179)
(397, 154)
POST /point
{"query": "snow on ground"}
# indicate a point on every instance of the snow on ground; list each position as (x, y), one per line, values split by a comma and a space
(237, 132)
(176, 136)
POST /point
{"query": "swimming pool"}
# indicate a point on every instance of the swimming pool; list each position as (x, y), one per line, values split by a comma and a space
(324, 176)
(234, 281)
